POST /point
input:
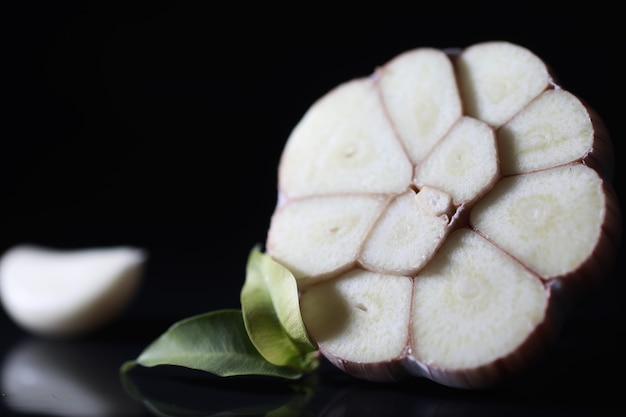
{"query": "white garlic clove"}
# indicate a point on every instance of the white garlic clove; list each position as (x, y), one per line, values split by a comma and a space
(68, 292)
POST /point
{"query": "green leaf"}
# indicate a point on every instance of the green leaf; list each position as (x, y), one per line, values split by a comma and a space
(215, 342)
(284, 294)
(271, 313)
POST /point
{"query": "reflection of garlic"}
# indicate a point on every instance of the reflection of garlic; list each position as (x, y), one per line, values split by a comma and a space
(68, 292)
(64, 378)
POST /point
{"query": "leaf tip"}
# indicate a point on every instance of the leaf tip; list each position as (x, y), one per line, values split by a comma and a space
(128, 366)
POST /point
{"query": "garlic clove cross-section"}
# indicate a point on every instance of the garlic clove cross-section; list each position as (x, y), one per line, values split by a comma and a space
(60, 293)
(440, 215)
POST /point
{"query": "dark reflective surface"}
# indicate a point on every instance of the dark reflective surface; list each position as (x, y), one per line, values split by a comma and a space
(64, 379)
(579, 377)
(161, 126)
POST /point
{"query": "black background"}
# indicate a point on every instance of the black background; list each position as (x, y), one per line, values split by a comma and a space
(160, 125)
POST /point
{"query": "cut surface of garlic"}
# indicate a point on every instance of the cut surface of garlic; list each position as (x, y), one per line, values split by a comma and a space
(441, 209)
